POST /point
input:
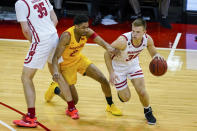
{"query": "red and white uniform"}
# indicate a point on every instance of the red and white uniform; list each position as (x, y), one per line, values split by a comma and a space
(126, 64)
(44, 34)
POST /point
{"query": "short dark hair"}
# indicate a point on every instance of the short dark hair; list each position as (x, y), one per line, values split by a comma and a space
(140, 22)
(78, 19)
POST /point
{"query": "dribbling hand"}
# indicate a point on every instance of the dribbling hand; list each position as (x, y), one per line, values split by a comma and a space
(158, 56)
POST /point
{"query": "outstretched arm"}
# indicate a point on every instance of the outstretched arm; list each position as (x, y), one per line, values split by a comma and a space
(97, 39)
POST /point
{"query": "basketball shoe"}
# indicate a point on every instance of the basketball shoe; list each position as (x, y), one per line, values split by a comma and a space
(114, 110)
(26, 122)
(50, 93)
(149, 116)
(73, 114)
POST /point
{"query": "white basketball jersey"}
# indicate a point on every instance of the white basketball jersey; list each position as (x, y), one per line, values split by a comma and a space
(129, 56)
(38, 18)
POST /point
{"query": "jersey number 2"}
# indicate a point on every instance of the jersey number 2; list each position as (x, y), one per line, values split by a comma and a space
(41, 9)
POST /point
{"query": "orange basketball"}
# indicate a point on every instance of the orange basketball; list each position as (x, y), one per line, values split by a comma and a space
(158, 67)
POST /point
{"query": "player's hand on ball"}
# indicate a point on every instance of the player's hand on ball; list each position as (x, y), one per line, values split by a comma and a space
(158, 56)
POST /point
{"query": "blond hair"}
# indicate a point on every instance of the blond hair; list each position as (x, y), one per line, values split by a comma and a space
(139, 22)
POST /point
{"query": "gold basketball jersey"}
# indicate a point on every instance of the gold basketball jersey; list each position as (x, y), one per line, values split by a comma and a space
(72, 53)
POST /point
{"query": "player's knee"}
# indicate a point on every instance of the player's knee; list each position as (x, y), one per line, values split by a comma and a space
(124, 97)
(25, 77)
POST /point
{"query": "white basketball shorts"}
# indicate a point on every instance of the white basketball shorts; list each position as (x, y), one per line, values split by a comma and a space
(123, 72)
(41, 52)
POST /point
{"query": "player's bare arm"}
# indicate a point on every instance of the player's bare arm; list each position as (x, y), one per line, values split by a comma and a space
(53, 18)
(120, 43)
(151, 48)
(97, 39)
(108, 62)
(26, 31)
(63, 43)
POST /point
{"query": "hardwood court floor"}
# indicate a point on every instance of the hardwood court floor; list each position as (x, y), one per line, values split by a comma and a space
(173, 96)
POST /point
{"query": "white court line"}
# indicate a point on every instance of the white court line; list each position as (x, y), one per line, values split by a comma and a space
(17, 40)
(178, 36)
(93, 44)
(6, 125)
(177, 49)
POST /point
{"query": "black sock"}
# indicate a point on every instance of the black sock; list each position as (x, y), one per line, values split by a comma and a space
(57, 90)
(147, 110)
(109, 100)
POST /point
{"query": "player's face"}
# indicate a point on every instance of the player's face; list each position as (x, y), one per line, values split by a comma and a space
(138, 32)
(82, 28)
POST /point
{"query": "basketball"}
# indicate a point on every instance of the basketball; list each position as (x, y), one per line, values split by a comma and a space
(158, 67)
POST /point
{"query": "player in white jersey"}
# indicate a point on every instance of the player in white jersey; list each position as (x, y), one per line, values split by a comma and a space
(126, 65)
(38, 22)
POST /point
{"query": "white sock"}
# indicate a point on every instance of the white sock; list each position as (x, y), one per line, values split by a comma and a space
(147, 107)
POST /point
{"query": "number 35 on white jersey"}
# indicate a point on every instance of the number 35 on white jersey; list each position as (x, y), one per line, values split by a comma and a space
(37, 14)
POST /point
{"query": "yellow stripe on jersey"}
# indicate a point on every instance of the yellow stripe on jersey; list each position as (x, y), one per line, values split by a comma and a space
(72, 53)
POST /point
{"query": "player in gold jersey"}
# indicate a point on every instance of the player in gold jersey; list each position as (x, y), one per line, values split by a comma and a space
(70, 45)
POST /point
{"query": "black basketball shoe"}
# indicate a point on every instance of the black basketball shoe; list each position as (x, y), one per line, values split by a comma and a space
(149, 116)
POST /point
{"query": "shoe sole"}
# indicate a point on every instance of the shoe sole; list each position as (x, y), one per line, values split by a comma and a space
(71, 117)
(114, 114)
(27, 126)
(151, 123)
(24, 126)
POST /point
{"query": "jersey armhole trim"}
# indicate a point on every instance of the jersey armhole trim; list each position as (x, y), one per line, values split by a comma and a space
(27, 7)
(125, 37)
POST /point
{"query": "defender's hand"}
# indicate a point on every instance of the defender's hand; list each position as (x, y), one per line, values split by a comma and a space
(56, 76)
(112, 51)
(112, 79)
